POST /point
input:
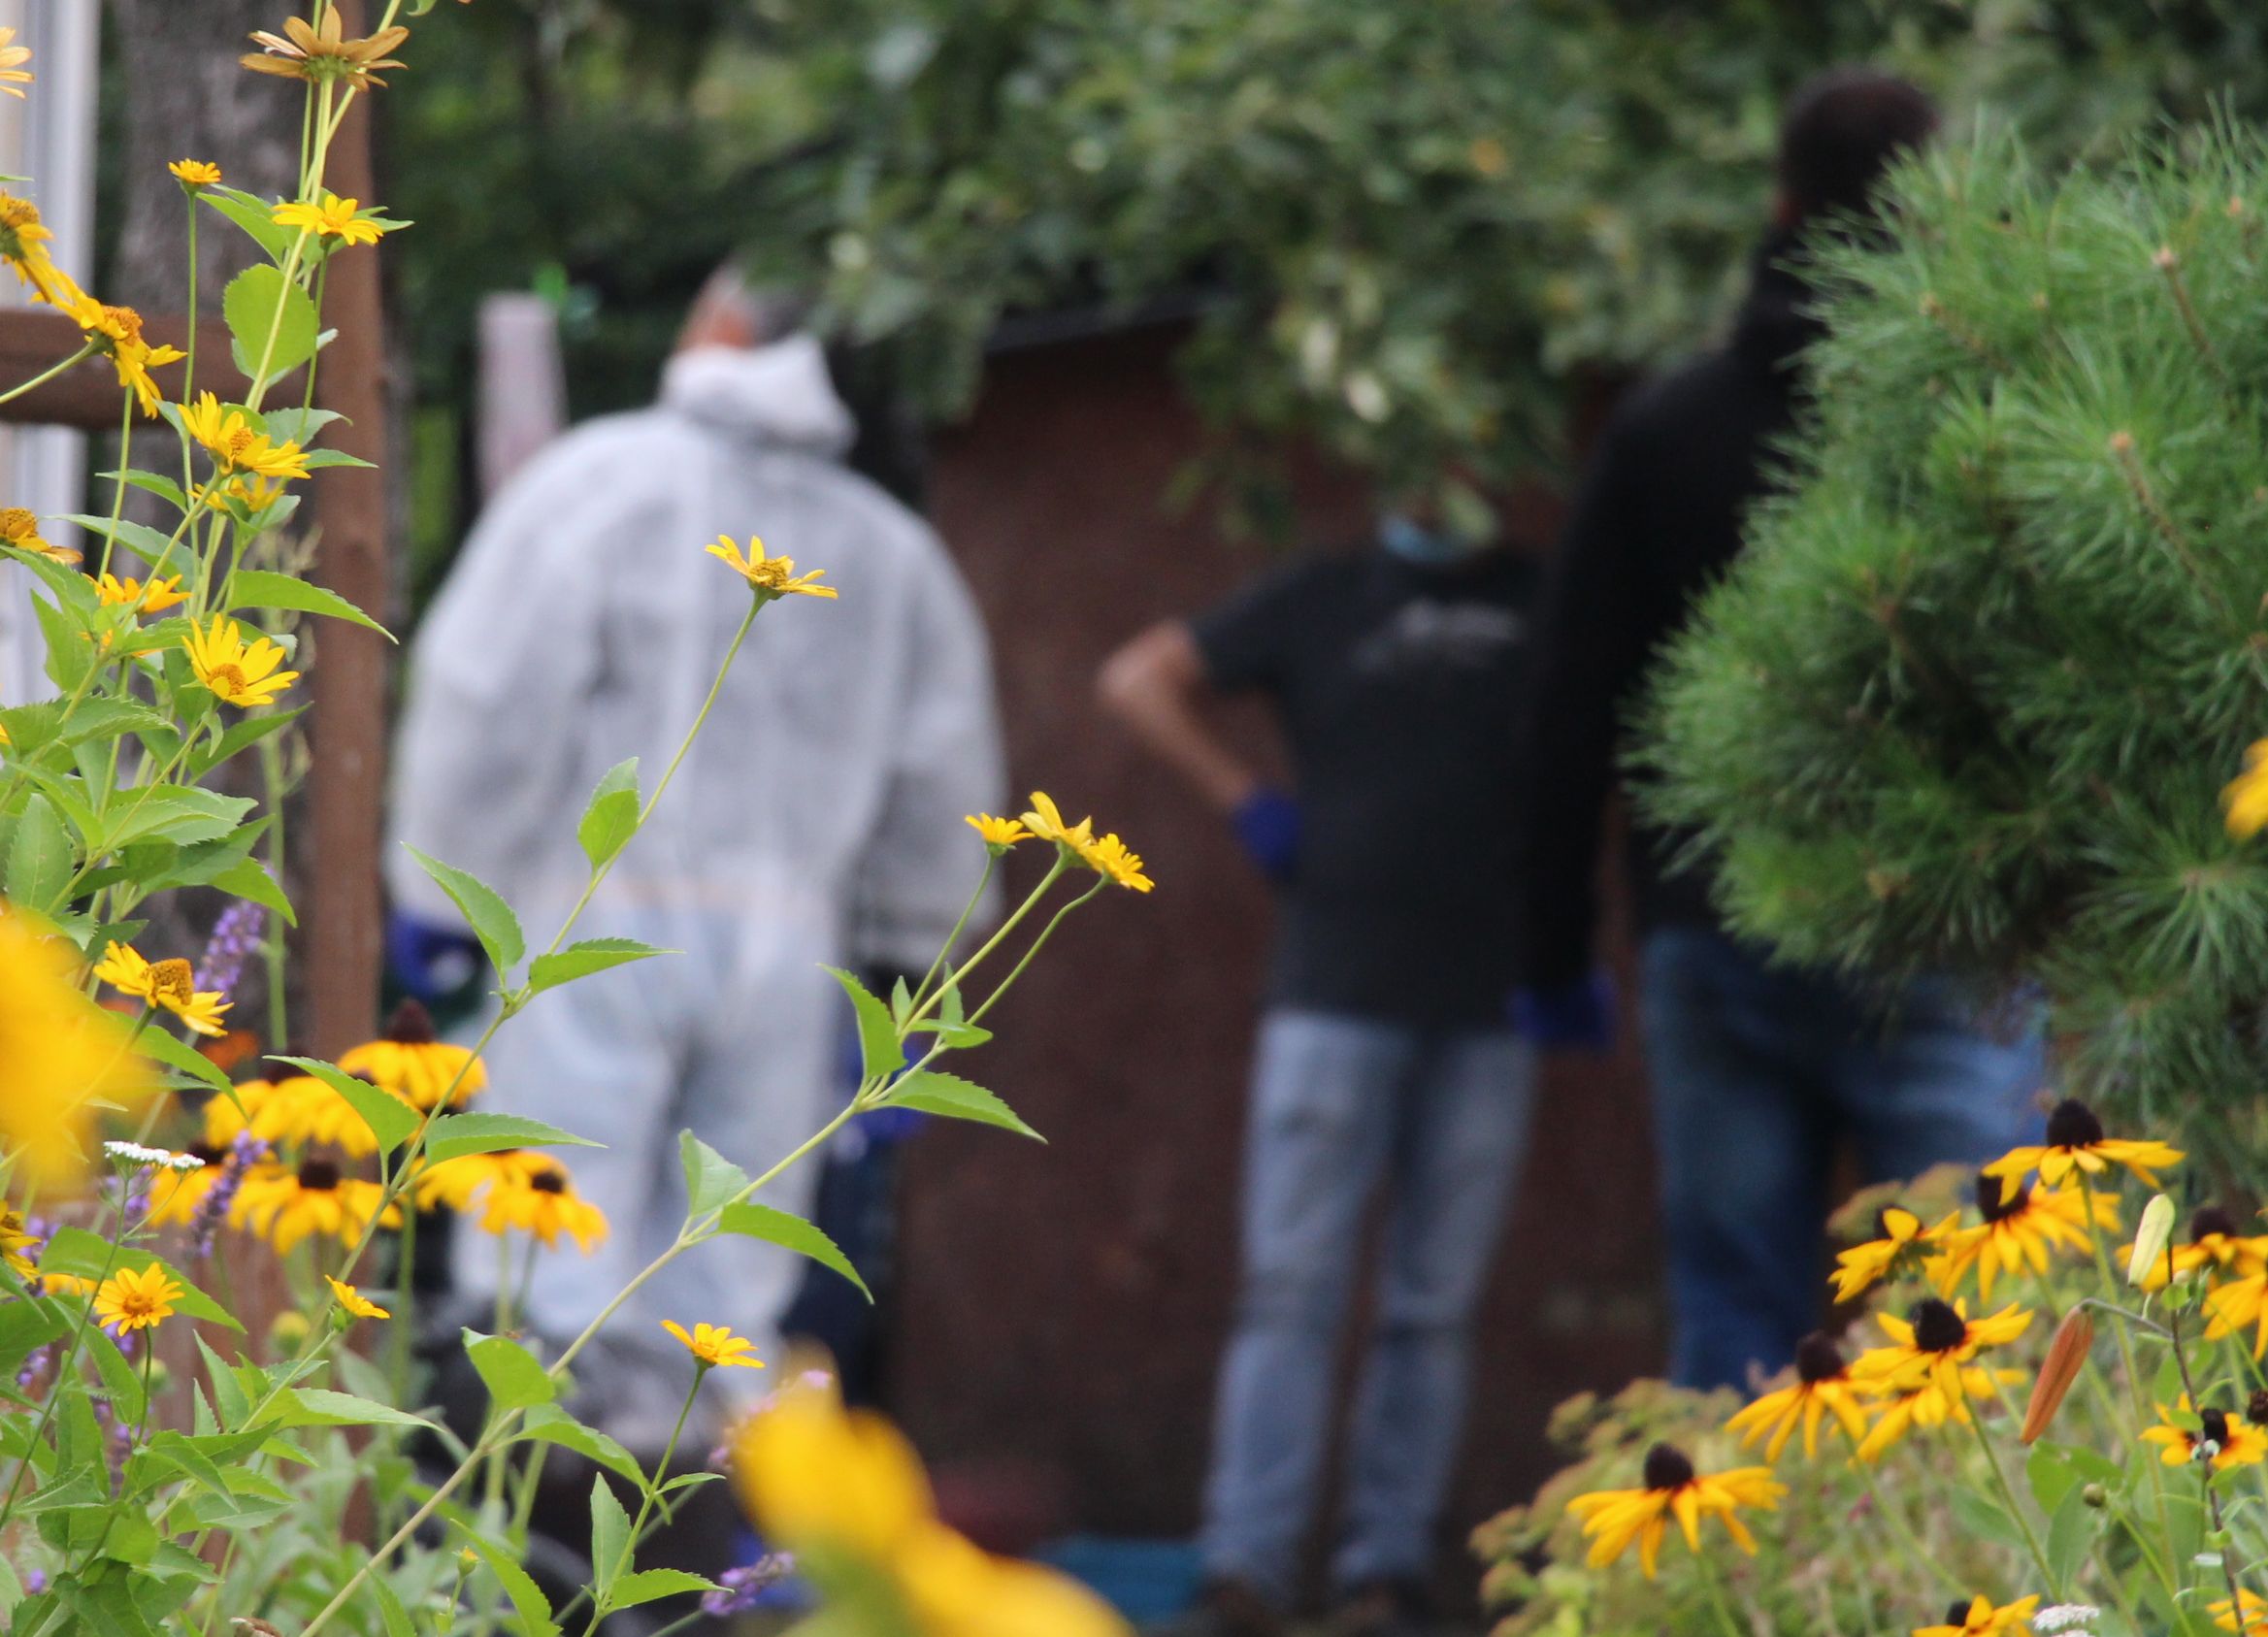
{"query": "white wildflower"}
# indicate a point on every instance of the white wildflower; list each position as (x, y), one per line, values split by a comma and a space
(2065, 1617)
(142, 1154)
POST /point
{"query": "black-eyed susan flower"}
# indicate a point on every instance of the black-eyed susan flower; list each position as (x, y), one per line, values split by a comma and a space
(768, 576)
(2222, 1437)
(237, 672)
(2018, 1229)
(2076, 1147)
(353, 1300)
(715, 1347)
(845, 1495)
(2214, 1247)
(1927, 1404)
(2256, 1608)
(414, 1063)
(455, 1183)
(134, 1299)
(1980, 1617)
(62, 1055)
(116, 333)
(170, 985)
(326, 1117)
(17, 1243)
(1933, 1343)
(546, 1206)
(155, 597)
(237, 447)
(324, 52)
(19, 530)
(1001, 833)
(279, 1112)
(2236, 1305)
(330, 216)
(195, 174)
(14, 76)
(175, 1195)
(287, 1204)
(1901, 1247)
(1613, 1518)
(1821, 1388)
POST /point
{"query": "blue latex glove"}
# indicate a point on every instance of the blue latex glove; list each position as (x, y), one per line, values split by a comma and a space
(427, 961)
(1267, 823)
(1578, 1015)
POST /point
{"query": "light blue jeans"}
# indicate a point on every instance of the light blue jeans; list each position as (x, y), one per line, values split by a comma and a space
(1341, 1108)
(1760, 1072)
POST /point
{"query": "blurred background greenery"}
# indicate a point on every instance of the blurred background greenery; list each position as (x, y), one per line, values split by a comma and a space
(1413, 234)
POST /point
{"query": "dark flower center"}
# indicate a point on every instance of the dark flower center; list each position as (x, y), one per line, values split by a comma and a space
(2073, 1124)
(2256, 1407)
(210, 1154)
(1957, 1615)
(1937, 1327)
(412, 1025)
(548, 1182)
(319, 1174)
(2216, 1424)
(2211, 1220)
(1994, 1205)
(1817, 1357)
(1667, 1468)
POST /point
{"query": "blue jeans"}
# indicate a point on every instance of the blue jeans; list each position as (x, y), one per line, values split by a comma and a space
(1342, 1105)
(1758, 1072)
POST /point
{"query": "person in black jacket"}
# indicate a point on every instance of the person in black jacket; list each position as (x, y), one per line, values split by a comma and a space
(1758, 1071)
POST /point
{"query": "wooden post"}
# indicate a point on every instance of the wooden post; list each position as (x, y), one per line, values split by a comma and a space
(341, 928)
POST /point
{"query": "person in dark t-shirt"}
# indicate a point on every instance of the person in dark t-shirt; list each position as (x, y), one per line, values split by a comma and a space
(1385, 1059)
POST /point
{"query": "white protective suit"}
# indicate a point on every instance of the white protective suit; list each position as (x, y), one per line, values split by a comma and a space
(818, 820)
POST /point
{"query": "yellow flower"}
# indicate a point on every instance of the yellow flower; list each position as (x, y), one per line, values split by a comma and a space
(279, 1112)
(547, 1205)
(998, 831)
(2235, 1441)
(175, 1196)
(23, 246)
(170, 984)
(155, 597)
(1612, 1519)
(412, 1062)
(16, 1242)
(1930, 1404)
(1821, 1387)
(288, 1205)
(1114, 858)
(2018, 1232)
(322, 52)
(456, 1183)
(20, 530)
(1979, 1618)
(66, 1284)
(195, 173)
(715, 1346)
(236, 447)
(2256, 1608)
(2236, 1304)
(63, 1054)
(14, 76)
(2215, 1245)
(2076, 1145)
(2244, 799)
(1046, 822)
(131, 1301)
(768, 576)
(355, 1301)
(116, 333)
(239, 674)
(845, 1494)
(1904, 1246)
(330, 218)
(1932, 1344)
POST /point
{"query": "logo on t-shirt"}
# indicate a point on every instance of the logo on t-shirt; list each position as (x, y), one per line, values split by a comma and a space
(1426, 635)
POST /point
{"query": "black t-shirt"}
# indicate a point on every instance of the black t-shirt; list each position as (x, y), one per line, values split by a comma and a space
(1399, 688)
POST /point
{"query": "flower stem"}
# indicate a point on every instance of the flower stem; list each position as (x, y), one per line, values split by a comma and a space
(2032, 1538)
(47, 375)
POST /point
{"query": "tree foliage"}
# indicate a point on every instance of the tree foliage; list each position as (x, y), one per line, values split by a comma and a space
(1969, 700)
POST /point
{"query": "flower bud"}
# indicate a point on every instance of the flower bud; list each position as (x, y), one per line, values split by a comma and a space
(2066, 1356)
(2150, 1239)
(2095, 1495)
(287, 1332)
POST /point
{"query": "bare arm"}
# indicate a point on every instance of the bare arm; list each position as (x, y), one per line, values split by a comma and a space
(1155, 685)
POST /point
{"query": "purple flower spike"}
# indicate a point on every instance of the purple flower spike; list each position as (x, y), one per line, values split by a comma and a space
(213, 1210)
(236, 936)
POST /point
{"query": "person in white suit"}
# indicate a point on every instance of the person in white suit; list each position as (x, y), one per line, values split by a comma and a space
(816, 822)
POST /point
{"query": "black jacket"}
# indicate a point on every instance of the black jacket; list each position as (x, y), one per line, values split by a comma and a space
(1658, 516)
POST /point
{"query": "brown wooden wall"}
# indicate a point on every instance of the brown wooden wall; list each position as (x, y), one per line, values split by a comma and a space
(1064, 1306)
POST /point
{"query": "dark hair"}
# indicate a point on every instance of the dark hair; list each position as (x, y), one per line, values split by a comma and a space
(1843, 130)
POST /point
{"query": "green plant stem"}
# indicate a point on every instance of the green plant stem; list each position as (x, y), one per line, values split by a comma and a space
(952, 939)
(645, 1505)
(1717, 1602)
(1038, 944)
(2205, 1476)
(1916, 1554)
(2015, 1508)
(190, 362)
(48, 374)
(273, 944)
(2136, 1395)
(1063, 859)
(118, 487)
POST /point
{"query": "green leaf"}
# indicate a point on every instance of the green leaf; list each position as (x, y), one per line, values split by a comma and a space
(260, 304)
(254, 214)
(515, 1378)
(119, 1379)
(40, 860)
(170, 812)
(610, 818)
(1978, 1515)
(106, 718)
(548, 1424)
(390, 1120)
(319, 1406)
(779, 1228)
(710, 1179)
(2071, 1533)
(298, 425)
(157, 1043)
(581, 960)
(262, 588)
(164, 488)
(957, 1099)
(491, 919)
(533, 1612)
(318, 459)
(610, 1537)
(453, 1134)
(75, 1249)
(145, 541)
(105, 1606)
(646, 1585)
(877, 1035)
(391, 1611)
(242, 734)
(248, 878)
